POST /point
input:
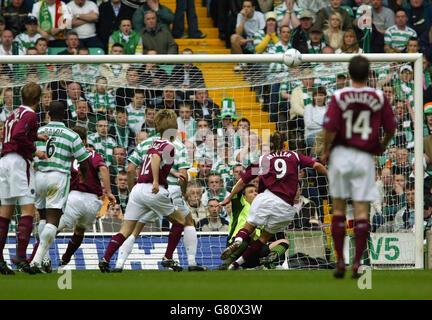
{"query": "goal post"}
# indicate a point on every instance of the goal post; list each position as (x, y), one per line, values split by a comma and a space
(248, 91)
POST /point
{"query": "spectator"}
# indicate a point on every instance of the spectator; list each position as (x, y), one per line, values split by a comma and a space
(2, 25)
(248, 152)
(124, 94)
(413, 45)
(164, 15)
(8, 106)
(215, 189)
(136, 111)
(6, 43)
(169, 100)
(287, 13)
(316, 42)
(397, 36)
(404, 135)
(128, 38)
(193, 198)
(323, 15)
(114, 73)
(156, 38)
(85, 14)
(187, 6)
(299, 35)
(140, 137)
(187, 126)
(85, 118)
(314, 115)
(84, 73)
(15, 16)
(112, 11)
(121, 190)
(153, 77)
(427, 125)
(404, 84)
(29, 37)
(101, 100)
(204, 168)
(53, 22)
(102, 142)
(118, 165)
(121, 132)
(187, 76)
(393, 199)
(383, 18)
(214, 222)
(333, 33)
(237, 168)
(42, 111)
(203, 128)
(205, 108)
(112, 220)
(149, 125)
(349, 43)
(74, 94)
(266, 39)
(249, 21)
(59, 87)
(301, 96)
(72, 42)
(1, 134)
(402, 164)
(419, 14)
(224, 165)
(41, 46)
(306, 216)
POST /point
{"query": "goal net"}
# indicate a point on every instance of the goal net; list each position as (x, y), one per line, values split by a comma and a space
(226, 115)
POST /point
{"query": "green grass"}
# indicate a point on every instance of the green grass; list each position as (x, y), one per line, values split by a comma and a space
(239, 285)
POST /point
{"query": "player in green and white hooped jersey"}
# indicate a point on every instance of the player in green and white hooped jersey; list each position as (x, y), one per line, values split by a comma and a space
(177, 182)
(52, 174)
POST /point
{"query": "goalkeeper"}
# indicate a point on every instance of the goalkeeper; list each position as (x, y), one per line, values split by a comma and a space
(270, 254)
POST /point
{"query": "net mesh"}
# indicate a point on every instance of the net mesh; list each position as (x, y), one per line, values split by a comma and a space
(270, 96)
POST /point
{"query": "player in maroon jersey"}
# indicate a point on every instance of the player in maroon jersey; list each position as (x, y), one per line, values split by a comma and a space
(351, 131)
(16, 174)
(83, 203)
(149, 198)
(273, 207)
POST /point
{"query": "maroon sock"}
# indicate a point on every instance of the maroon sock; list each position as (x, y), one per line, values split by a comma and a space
(252, 250)
(36, 246)
(173, 239)
(338, 233)
(24, 230)
(115, 243)
(242, 233)
(361, 232)
(4, 228)
(73, 245)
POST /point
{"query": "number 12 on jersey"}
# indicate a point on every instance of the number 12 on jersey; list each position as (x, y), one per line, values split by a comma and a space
(360, 126)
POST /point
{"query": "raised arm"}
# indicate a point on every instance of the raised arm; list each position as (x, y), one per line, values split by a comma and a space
(237, 188)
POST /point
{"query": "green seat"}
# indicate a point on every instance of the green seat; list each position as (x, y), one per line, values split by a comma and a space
(96, 51)
(55, 50)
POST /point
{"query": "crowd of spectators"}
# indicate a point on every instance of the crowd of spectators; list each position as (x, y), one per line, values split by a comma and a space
(116, 103)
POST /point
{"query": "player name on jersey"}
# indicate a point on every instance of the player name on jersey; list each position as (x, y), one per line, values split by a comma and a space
(360, 97)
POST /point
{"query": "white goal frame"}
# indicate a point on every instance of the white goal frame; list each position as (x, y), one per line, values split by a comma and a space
(415, 58)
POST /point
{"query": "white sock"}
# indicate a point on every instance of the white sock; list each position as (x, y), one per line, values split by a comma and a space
(240, 261)
(41, 226)
(239, 240)
(190, 241)
(124, 251)
(46, 239)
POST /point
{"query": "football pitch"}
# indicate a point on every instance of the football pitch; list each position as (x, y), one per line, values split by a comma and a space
(216, 285)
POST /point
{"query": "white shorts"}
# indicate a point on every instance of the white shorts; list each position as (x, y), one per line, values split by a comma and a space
(352, 174)
(81, 209)
(145, 206)
(52, 189)
(177, 198)
(17, 184)
(270, 211)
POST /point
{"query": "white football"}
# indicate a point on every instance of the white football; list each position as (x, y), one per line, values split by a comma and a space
(292, 57)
